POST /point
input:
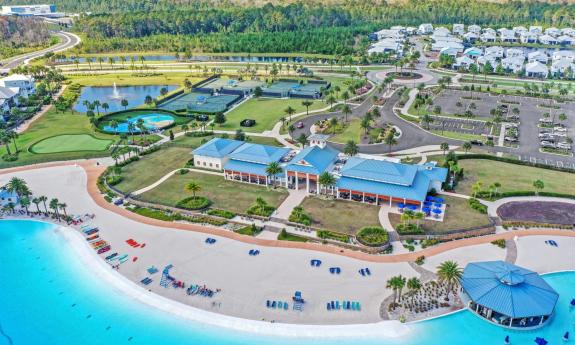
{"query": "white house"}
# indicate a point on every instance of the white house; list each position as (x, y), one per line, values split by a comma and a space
(536, 29)
(513, 64)
(566, 40)
(568, 31)
(441, 32)
(410, 30)
(538, 56)
(473, 52)
(449, 51)
(8, 98)
(519, 29)
(515, 52)
(487, 37)
(564, 55)
(476, 29)
(495, 51)
(482, 60)
(471, 37)
(528, 37)
(390, 33)
(458, 29)
(21, 84)
(440, 44)
(425, 29)
(506, 35)
(560, 67)
(552, 32)
(385, 46)
(463, 62)
(536, 69)
(215, 153)
(548, 39)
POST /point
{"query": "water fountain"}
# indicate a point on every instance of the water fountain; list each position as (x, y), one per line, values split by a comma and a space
(115, 92)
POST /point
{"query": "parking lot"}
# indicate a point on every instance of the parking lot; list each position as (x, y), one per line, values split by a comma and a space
(463, 125)
(456, 102)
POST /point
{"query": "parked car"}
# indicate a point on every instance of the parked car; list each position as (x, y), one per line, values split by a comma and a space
(511, 139)
(547, 144)
(299, 125)
(565, 146)
(476, 142)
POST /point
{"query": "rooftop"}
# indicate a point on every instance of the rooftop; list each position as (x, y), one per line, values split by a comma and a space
(379, 170)
(313, 160)
(217, 147)
(256, 153)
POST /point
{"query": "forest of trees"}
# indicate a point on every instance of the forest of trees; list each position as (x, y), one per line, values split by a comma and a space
(18, 34)
(312, 26)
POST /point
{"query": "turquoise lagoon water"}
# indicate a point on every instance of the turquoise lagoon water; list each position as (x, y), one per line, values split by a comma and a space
(152, 121)
(48, 297)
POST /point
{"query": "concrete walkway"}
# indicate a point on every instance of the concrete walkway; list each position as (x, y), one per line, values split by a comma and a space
(293, 200)
(383, 216)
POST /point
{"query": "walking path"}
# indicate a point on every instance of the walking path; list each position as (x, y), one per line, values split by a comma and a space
(26, 124)
(170, 174)
(293, 200)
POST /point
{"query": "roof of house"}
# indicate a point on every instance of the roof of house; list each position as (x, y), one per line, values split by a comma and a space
(6, 93)
(313, 160)
(217, 148)
(16, 77)
(379, 170)
(508, 289)
(464, 60)
(256, 153)
(536, 67)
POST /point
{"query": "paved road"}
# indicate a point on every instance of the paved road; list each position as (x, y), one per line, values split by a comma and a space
(67, 41)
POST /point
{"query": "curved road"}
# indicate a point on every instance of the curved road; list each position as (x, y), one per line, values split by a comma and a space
(67, 41)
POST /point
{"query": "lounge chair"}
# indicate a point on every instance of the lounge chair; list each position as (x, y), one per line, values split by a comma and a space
(362, 272)
(337, 305)
(273, 304)
(268, 303)
(367, 271)
(286, 306)
(328, 306)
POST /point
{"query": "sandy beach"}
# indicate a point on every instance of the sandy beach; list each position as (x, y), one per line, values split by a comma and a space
(246, 282)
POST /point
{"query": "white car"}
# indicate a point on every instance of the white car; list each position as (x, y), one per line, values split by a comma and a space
(560, 134)
(547, 144)
(565, 146)
(560, 129)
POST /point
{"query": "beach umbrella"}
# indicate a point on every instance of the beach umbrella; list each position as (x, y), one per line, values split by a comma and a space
(439, 200)
(436, 211)
(426, 209)
(427, 203)
(429, 198)
(506, 340)
(438, 204)
(401, 205)
(566, 336)
(412, 207)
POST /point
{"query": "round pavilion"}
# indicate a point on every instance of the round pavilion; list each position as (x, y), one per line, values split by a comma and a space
(507, 295)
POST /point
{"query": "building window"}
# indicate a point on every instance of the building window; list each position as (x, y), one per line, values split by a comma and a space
(217, 166)
(204, 163)
(210, 165)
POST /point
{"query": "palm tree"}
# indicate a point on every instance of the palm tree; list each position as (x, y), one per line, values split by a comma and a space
(444, 147)
(427, 119)
(331, 100)
(192, 187)
(96, 105)
(54, 205)
(450, 273)
(63, 206)
(413, 284)
(307, 104)
(18, 186)
(43, 200)
(12, 134)
(539, 185)
(272, 170)
(333, 124)
(289, 111)
(351, 148)
(25, 202)
(396, 283)
(115, 124)
(105, 106)
(302, 140)
(261, 205)
(37, 201)
(365, 124)
(390, 139)
(466, 146)
(124, 103)
(346, 110)
(476, 188)
(326, 180)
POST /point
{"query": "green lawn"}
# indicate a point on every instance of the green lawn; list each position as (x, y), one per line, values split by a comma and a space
(352, 131)
(127, 79)
(52, 124)
(513, 177)
(225, 195)
(339, 215)
(266, 111)
(152, 167)
(70, 143)
(459, 215)
(458, 136)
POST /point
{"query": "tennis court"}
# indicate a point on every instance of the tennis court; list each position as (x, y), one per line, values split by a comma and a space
(293, 88)
(201, 102)
(232, 84)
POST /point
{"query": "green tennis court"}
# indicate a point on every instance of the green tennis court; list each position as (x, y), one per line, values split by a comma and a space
(70, 143)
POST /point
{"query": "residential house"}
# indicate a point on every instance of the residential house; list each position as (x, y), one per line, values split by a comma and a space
(385, 46)
(473, 52)
(463, 62)
(21, 84)
(488, 37)
(506, 35)
(449, 51)
(441, 32)
(548, 39)
(564, 55)
(476, 29)
(515, 52)
(448, 42)
(471, 37)
(458, 29)
(425, 29)
(566, 40)
(553, 32)
(539, 56)
(536, 29)
(519, 29)
(568, 31)
(561, 68)
(536, 69)
(8, 99)
(496, 51)
(482, 60)
(512, 64)
(528, 37)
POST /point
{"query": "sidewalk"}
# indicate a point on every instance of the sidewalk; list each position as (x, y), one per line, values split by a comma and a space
(294, 198)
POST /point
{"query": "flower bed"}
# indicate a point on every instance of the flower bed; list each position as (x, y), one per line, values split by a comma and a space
(194, 203)
(372, 236)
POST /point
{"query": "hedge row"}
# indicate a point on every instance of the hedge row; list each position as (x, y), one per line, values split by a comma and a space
(513, 161)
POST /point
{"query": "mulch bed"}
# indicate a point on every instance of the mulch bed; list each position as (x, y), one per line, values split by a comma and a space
(550, 212)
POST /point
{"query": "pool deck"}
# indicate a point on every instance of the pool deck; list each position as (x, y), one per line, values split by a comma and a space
(281, 268)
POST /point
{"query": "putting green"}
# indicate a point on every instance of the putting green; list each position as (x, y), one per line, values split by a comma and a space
(70, 143)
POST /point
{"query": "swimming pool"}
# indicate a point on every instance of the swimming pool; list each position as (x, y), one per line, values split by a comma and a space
(48, 295)
(153, 121)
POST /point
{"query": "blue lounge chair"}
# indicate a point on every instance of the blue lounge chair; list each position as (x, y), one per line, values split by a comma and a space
(273, 304)
(332, 304)
(338, 270)
(280, 305)
(332, 270)
(268, 303)
(367, 271)
(251, 252)
(256, 252)
(337, 305)
(358, 306)
(362, 272)
(286, 306)
(328, 306)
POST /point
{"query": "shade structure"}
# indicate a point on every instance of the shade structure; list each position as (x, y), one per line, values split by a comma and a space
(429, 198)
(437, 211)
(401, 205)
(412, 207)
(426, 209)
(437, 204)
(439, 200)
(427, 203)
(508, 289)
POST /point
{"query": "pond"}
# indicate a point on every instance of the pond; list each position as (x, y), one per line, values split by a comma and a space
(113, 95)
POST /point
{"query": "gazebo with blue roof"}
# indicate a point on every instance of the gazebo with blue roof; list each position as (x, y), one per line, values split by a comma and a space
(507, 295)
(248, 163)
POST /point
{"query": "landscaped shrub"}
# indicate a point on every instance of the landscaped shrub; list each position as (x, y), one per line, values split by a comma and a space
(151, 213)
(183, 171)
(199, 134)
(372, 236)
(221, 213)
(429, 242)
(478, 206)
(260, 208)
(326, 234)
(10, 158)
(500, 243)
(285, 236)
(299, 216)
(420, 260)
(194, 203)
(113, 180)
(149, 150)
(250, 230)
(409, 229)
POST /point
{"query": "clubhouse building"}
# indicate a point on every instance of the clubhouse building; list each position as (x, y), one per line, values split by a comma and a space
(368, 179)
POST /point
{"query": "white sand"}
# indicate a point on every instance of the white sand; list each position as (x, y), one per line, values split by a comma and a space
(465, 255)
(534, 254)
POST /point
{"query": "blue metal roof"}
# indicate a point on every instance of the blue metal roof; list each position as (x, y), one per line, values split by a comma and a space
(379, 170)
(417, 191)
(313, 160)
(433, 172)
(247, 167)
(256, 153)
(217, 148)
(508, 289)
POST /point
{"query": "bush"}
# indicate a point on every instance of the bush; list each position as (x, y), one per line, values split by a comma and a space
(500, 243)
(151, 213)
(10, 158)
(250, 230)
(409, 229)
(183, 171)
(428, 243)
(199, 134)
(113, 180)
(194, 203)
(372, 236)
(478, 206)
(149, 150)
(326, 234)
(222, 213)
(420, 260)
(299, 216)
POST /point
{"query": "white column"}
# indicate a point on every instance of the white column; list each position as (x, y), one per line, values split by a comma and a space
(307, 182)
(377, 199)
(296, 181)
(362, 196)
(337, 193)
(390, 201)
(287, 179)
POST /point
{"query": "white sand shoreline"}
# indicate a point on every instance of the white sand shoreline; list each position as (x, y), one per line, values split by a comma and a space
(388, 329)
